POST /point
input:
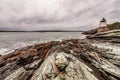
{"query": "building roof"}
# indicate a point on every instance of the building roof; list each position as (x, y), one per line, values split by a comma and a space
(103, 20)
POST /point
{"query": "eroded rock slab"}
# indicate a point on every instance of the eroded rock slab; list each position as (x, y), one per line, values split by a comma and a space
(62, 66)
(66, 60)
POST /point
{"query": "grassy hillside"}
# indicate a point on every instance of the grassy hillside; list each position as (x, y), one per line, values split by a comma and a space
(114, 26)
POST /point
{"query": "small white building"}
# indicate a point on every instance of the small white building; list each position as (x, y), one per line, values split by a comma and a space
(103, 26)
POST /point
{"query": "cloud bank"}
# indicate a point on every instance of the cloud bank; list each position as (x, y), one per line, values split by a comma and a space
(56, 14)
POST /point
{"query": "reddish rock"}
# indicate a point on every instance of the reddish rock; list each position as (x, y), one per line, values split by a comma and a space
(26, 62)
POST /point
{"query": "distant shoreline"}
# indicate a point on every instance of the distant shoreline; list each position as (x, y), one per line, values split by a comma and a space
(43, 31)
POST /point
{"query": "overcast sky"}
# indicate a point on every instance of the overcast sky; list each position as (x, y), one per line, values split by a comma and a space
(56, 14)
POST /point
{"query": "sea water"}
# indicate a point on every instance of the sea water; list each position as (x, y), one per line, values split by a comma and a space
(10, 41)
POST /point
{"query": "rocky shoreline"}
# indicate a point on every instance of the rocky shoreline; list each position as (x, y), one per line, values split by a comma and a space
(112, 36)
(75, 59)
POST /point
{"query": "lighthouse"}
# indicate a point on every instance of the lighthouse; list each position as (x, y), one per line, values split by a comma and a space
(103, 26)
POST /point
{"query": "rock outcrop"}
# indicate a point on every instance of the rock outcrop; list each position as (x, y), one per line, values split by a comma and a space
(109, 36)
(66, 60)
(90, 32)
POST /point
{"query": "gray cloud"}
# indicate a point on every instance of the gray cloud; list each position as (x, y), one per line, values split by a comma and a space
(56, 14)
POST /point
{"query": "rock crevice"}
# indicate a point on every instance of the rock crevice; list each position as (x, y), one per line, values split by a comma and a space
(66, 60)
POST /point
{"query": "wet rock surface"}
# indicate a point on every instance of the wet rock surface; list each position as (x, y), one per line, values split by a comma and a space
(60, 60)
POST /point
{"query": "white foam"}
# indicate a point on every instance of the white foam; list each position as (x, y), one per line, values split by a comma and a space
(3, 51)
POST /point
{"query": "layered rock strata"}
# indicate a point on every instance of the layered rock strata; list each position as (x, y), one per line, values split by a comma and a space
(60, 60)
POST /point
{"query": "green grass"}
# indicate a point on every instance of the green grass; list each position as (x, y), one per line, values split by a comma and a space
(114, 26)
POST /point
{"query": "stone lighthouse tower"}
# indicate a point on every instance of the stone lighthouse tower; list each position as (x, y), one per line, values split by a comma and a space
(103, 26)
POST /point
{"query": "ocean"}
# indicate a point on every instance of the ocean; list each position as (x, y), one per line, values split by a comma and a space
(10, 41)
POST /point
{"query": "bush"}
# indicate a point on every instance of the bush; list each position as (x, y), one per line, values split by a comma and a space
(114, 26)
